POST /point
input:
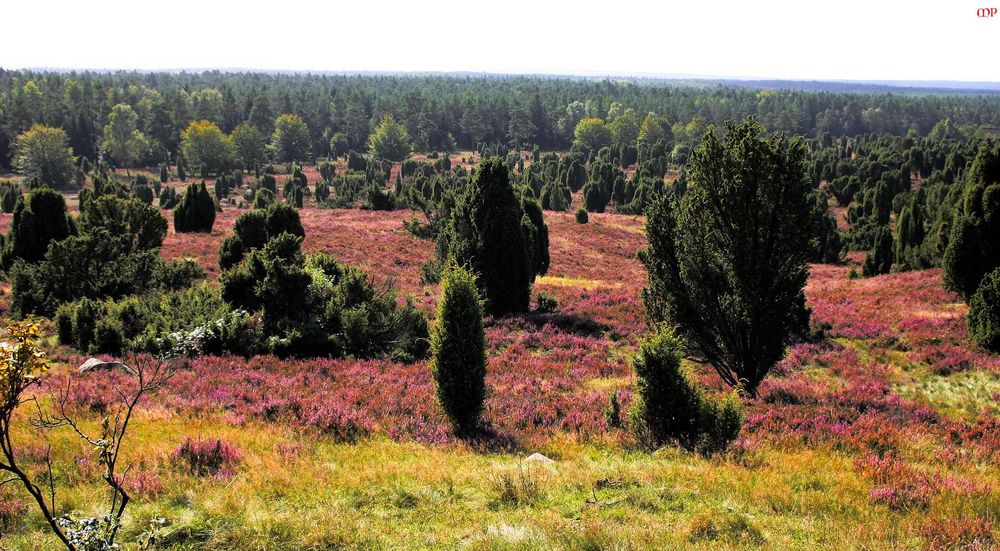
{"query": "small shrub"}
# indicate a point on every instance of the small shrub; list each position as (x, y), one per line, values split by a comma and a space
(516, 487)
(168, 198)
(206, 457)
(64, 324)
(581, 216)
(143, 193)
(268, 182)
(109, 337)
(12, 512)
(613, 413)
(263, 198)
(85, 316)
(458, 347)
(379, 199)
(984, 313)
(732, 528)
(10, 192)
(196, 210)
(546, 304)
(669, 407)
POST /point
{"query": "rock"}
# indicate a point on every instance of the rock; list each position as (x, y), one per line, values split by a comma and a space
(94, 364)
(539, 458)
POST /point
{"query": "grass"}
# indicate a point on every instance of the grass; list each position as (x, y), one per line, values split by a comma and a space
(962, 395)
(384, 494)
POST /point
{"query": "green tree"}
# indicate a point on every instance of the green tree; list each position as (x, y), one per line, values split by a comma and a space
(39, 219)
(824, 229)
(253, 229)
(879, 259)
(458, 350)
(125, 217)
(727, 262)
(181, 173)
(122, 137)
(984, 312)
(485, 234)
(208, 104)
(250, 145)
(974, 242)
(651, 130)
(339, 144)
(592, 134)
(536, 234)
(290, 141)
(206, 149)
(521, 130)
(390, 140)
(43, 154)
(196, 210)
(625, 128)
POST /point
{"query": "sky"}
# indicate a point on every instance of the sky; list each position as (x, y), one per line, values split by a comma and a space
(773, 39)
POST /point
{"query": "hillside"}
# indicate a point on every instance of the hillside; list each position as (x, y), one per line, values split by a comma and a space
(882, 435)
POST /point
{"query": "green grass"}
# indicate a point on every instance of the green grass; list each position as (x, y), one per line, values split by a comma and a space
(380, 494)
(963, 395)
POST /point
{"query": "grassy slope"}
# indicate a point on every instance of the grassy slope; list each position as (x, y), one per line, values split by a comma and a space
(806, 475)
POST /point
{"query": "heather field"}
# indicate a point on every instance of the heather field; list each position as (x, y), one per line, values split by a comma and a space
(884, 434)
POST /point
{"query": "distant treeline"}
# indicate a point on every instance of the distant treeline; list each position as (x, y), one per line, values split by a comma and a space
(444, 112)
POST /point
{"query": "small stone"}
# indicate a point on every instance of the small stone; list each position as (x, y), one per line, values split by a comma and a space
(94, 364)
(539, 458)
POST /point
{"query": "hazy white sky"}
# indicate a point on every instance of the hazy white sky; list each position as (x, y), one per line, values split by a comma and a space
(796, 39)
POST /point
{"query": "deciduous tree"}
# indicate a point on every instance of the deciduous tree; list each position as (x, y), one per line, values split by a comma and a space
(390, 140)
(43, 154)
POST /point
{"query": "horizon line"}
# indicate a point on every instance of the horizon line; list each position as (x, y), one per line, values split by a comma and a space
(901, 83)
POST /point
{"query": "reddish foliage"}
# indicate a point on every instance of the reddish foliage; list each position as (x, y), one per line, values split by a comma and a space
(969, 534)
(207, 457)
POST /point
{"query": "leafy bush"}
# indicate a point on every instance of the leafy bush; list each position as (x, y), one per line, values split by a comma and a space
(143, 194)
(669, 407)
(139, 220)
(94, 265)
(984, 312)
(458, 349)
(39, 219)
(168, 198)
(263, 198)
(581, 216)
(312, 306)
(108, 337)
(546, 304)
(379, 199)
(85, 316)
